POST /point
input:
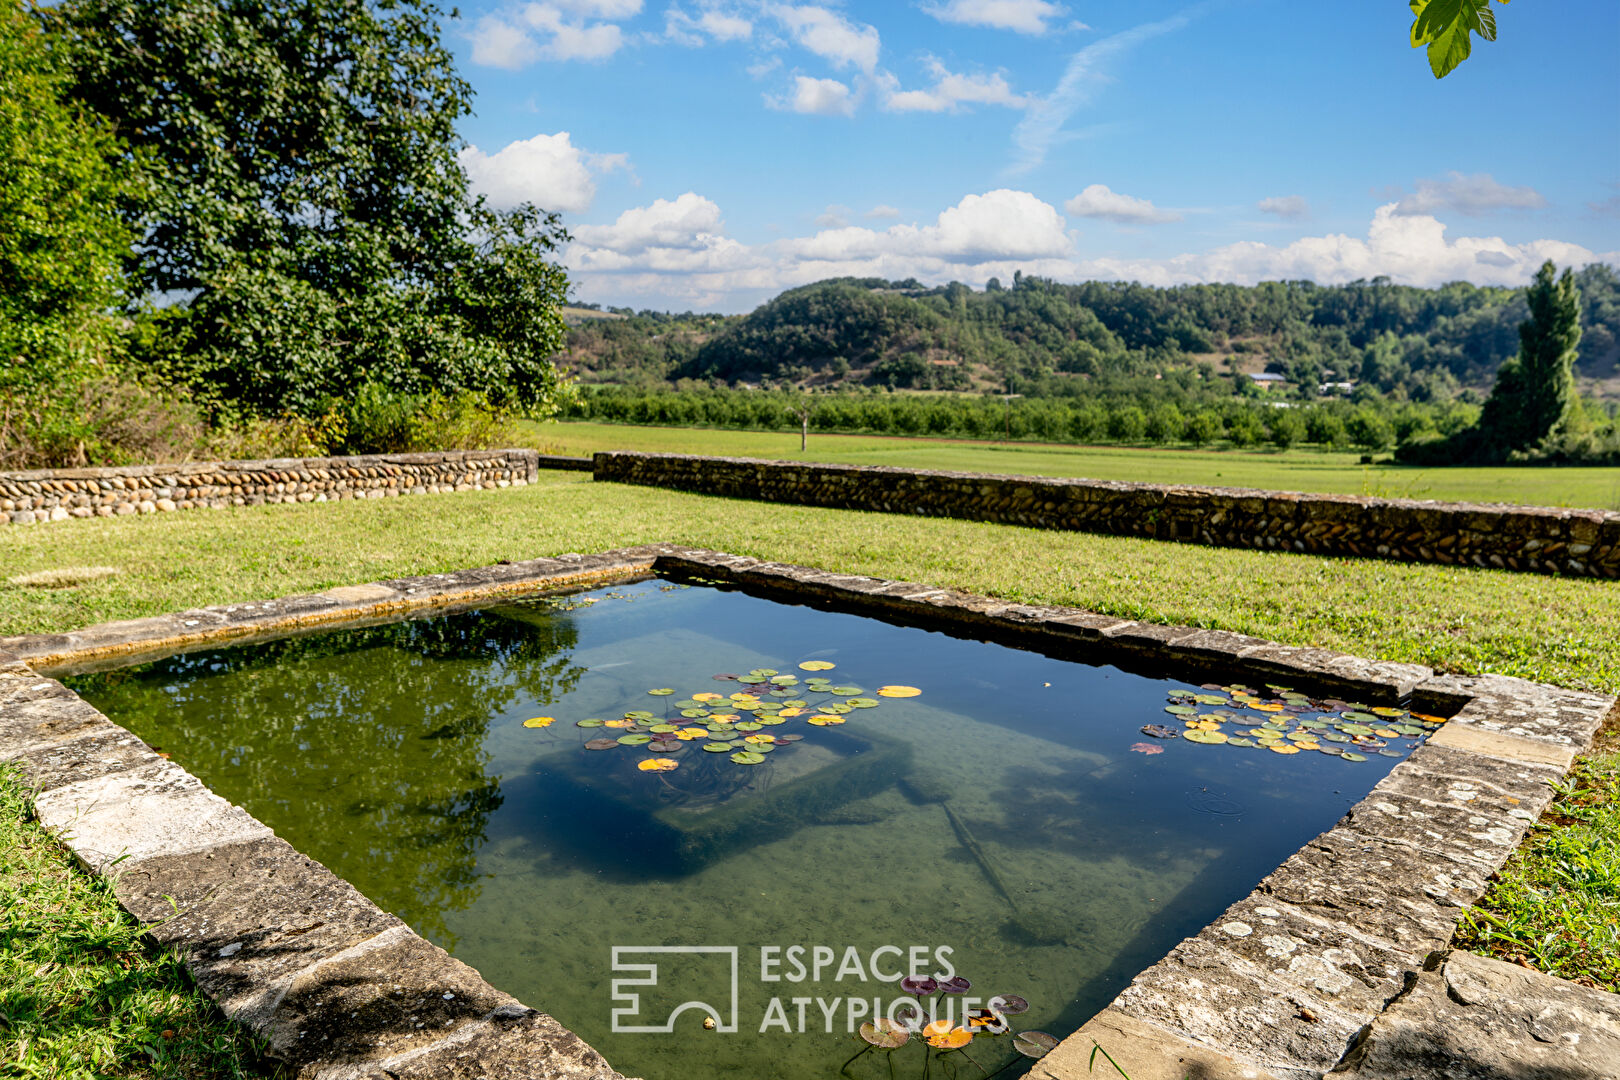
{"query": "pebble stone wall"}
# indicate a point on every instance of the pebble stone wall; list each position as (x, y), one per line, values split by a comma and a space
(62, 494)
(1584, 543)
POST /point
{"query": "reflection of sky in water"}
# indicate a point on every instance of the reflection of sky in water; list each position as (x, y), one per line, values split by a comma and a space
(1024, 835)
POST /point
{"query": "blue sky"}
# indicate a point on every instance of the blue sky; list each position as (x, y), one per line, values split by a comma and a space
(707, 154)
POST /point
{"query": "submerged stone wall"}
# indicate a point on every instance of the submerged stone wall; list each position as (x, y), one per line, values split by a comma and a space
(1547, 540)
(62, 494)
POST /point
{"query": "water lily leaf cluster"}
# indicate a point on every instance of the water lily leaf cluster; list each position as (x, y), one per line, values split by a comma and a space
(742, 725)
(1284, 721)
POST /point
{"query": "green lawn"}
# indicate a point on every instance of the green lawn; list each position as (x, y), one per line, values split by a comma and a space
(82, 995)
(1557, 630)
(1292, 470)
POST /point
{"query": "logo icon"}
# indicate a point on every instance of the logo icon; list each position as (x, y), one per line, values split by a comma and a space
(627, 992)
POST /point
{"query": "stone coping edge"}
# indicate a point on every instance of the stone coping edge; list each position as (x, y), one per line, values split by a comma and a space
(1576, 542)
(1280, 986)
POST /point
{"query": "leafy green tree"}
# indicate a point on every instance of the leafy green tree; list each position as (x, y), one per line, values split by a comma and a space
(304, 199)
(1204, 427)
(1286, 428)
(60, 246)
(1445, 28)
(1534, 397)
(1369, 430)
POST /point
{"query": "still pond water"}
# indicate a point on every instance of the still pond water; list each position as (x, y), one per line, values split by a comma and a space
(1009, 823)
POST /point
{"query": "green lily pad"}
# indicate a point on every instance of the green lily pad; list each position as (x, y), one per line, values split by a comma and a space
(782, 692)
(1409, 729)
(720, 729)
(1389, 753)
(752, 680)
(637, 739)
(747, 757)
(664, 729)
(760, 748)
(1180, 710)
(1362, 717)
(780, 739)
(1239, 741)
(863, 703)
(1211, 699)
(749, 725)
(663, 692)
(795, 704)
(1211, 737)
(1355, 729)
(717, 747)
(837, 708)
(602, 744)
(689, 703)
(1315, 725)
(767, 672)
(588, 723)
(1334, 736)
(1348, 756)
(770, 721)
(770, 706)
(639, 714)
(693, 714)
(848, 691)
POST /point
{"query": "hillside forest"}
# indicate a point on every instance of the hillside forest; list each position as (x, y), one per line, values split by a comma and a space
(1370, 363)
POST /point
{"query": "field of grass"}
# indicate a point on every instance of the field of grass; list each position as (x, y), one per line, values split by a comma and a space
(81, 994)
(1290, 470)
(1552, 629)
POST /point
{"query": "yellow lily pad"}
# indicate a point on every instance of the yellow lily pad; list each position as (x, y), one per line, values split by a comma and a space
(817, 665)
(658, 764)
(898, 691)
(1201, 736)
(1284, 748)
(540, 721)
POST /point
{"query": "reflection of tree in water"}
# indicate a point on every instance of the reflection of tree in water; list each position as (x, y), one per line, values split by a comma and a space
(364, 748)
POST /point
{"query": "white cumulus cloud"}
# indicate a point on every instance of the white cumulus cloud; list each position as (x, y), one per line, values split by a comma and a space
(1287, 207)
(1024, 16)
(883, 211)
(1472, 195)
(677, 254)
(553, 30)
(951, 90)
(710, 24)
(831, 36)
(547, 170)
(1098, 201)
(816, 97)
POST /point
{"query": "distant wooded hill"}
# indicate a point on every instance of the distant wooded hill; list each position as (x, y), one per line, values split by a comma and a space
(1041, 338)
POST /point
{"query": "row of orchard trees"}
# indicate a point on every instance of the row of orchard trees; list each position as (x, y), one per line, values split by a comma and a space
(216, 211)
(1372, 426)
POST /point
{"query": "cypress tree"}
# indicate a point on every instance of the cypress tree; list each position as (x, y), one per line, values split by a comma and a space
(1534, 396)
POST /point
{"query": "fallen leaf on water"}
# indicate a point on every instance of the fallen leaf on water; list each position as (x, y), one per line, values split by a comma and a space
(1147, 748)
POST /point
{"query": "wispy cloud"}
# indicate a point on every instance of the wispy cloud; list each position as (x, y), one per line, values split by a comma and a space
(1087, 72)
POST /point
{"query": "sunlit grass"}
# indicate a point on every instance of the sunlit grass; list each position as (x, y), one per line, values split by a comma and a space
(81, 993)
(1291, 470)
(1551, 629)
(1556, 905)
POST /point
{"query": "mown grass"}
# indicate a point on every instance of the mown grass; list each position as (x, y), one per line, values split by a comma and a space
(1551, 629)
(82, 994)
(1556, 905)
(1291, 470)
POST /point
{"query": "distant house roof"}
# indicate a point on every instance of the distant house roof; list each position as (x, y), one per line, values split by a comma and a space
(1267, 376)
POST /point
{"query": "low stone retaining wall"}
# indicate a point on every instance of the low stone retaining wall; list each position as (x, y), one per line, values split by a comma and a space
(61, 494)
(1579, 542)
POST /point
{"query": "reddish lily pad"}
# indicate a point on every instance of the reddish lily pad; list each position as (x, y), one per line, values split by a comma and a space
(602, 744)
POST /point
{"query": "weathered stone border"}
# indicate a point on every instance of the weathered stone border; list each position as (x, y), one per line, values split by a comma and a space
(1584, 543)
(63, 494)
(1279, 986)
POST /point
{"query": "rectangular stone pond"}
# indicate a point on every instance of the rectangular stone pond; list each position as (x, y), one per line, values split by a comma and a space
(536, 784)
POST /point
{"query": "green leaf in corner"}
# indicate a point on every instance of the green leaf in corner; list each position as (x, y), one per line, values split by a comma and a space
(1445, 26)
